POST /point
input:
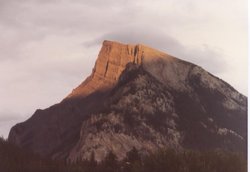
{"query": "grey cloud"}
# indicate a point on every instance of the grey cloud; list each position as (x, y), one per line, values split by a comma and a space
(32, 20)
(9, 116)
(28, 21)
(61, 13)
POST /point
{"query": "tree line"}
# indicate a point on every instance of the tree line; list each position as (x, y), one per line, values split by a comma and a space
(14, 159)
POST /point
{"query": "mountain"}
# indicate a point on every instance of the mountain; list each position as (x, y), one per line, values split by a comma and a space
(138, 97)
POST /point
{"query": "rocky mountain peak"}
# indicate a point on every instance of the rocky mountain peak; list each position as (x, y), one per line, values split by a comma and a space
(138, 97)
(112, 60)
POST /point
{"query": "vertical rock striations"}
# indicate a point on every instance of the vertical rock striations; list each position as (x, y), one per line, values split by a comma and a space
(110, 63)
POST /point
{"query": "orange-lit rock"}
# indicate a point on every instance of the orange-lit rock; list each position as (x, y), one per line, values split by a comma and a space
(111, 61)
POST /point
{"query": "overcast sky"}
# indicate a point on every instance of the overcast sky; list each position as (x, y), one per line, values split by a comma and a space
(48, 47)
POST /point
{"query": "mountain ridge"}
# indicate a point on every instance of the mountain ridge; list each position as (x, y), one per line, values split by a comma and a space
(138, 97)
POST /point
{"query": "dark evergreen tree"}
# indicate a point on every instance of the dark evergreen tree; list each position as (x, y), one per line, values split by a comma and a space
(110, 163)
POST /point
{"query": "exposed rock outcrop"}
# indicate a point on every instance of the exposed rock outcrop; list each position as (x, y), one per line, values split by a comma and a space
(110, 63)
